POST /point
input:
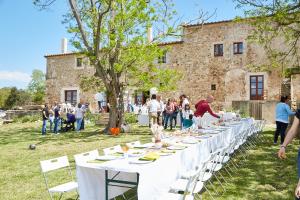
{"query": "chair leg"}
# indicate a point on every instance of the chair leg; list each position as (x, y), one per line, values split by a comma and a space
(60, 196)
(211, 196)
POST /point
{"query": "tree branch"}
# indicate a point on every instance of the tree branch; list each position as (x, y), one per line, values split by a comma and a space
(76, 14)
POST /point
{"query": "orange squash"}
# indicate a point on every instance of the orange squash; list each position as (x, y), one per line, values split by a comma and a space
(115, 131)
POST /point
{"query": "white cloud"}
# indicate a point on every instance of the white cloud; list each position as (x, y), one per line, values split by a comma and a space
(14, 76)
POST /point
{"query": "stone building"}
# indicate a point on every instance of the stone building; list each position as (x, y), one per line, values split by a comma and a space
(214, 58)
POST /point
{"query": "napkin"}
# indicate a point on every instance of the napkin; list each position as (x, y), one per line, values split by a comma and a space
(118, 154)
(96, 161)
(168, 151)
(150, 156)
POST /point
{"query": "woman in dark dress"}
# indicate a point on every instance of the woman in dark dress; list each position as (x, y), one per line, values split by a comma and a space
(288, 139)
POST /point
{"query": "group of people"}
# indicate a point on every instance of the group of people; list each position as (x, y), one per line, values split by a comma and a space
(55, 115)
(166, 113)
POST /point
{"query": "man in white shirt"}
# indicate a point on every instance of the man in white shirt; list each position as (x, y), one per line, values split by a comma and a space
(153, 108)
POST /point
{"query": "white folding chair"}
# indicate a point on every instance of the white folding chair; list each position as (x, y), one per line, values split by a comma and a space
(55, 164)
(133, 144)
(188, 186)
(87, 156)
(112, 150)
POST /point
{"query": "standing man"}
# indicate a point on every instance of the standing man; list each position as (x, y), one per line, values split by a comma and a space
(79, 113)
(99, 99)
(203, 106)
(283, 112)
(153, 108)
(57, 113)
(45, 113)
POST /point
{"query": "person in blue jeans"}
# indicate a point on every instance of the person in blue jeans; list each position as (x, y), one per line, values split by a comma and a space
(283, 112)
(292, 133)
(45, 115)
(79, 112)
(56, 118)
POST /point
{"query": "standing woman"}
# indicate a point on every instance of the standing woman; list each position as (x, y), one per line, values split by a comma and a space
(183, 101)
(169, 112)
(283, 112)
(289, 137)
(175, 113)
(79, 116)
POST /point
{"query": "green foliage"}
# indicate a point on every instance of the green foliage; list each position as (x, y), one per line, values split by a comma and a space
(113, 35)
(28, 118)
(91, 83)
(274, 22)
(91, 117)
(130, 118)
(37, 86)
(4, 93)
(16, 98)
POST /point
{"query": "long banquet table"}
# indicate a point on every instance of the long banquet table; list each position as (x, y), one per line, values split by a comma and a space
(152, 179)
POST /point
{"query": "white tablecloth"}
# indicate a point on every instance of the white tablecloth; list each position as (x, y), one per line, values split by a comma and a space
(154, 178)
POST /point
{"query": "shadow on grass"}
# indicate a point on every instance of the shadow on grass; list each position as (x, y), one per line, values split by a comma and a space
(262, 176)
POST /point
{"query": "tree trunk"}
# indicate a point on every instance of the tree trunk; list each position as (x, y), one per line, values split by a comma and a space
(116, 110)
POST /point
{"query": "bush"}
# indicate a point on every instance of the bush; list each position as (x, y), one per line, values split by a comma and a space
(28, 118)
(130, 118)
(91, 117)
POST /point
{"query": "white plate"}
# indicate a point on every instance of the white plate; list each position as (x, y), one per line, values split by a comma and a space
(135, 153)
(165, 154)
(137, 161)
(107, 157)
(176, 147)
(189, 141)
(204, 136)
(143, 146)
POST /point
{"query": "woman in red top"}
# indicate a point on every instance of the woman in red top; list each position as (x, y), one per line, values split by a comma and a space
(203, 106)
(169, 112)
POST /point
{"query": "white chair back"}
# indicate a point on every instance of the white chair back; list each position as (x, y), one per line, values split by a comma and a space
(112, 150)
(87, 156)
(133, 144)
(54, 164)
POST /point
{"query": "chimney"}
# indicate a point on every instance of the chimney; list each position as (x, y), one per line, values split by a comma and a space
(150, 34)
(64, 45)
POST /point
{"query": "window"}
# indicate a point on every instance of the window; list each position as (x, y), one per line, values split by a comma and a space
(238, 48)
(163, 58)
(218, 49)
(71, 96)
(79, 62)
(213, 87)
(257, 87)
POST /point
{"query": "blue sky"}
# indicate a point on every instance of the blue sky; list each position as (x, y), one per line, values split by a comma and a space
(27, 34)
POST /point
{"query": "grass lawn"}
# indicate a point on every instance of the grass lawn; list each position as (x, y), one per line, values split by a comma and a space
(262, 176)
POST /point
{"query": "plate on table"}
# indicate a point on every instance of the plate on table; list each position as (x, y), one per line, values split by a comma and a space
(176, 147)
(135, 153)
(204, 136)
(138, 161)
(191, 141)
(143, 146)
(166, 152)
(214, 132)
(107, 157)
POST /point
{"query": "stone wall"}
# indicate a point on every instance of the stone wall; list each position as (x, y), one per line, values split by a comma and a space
(62, 74)
(230, 72)
(194, 58)
(295, 88)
